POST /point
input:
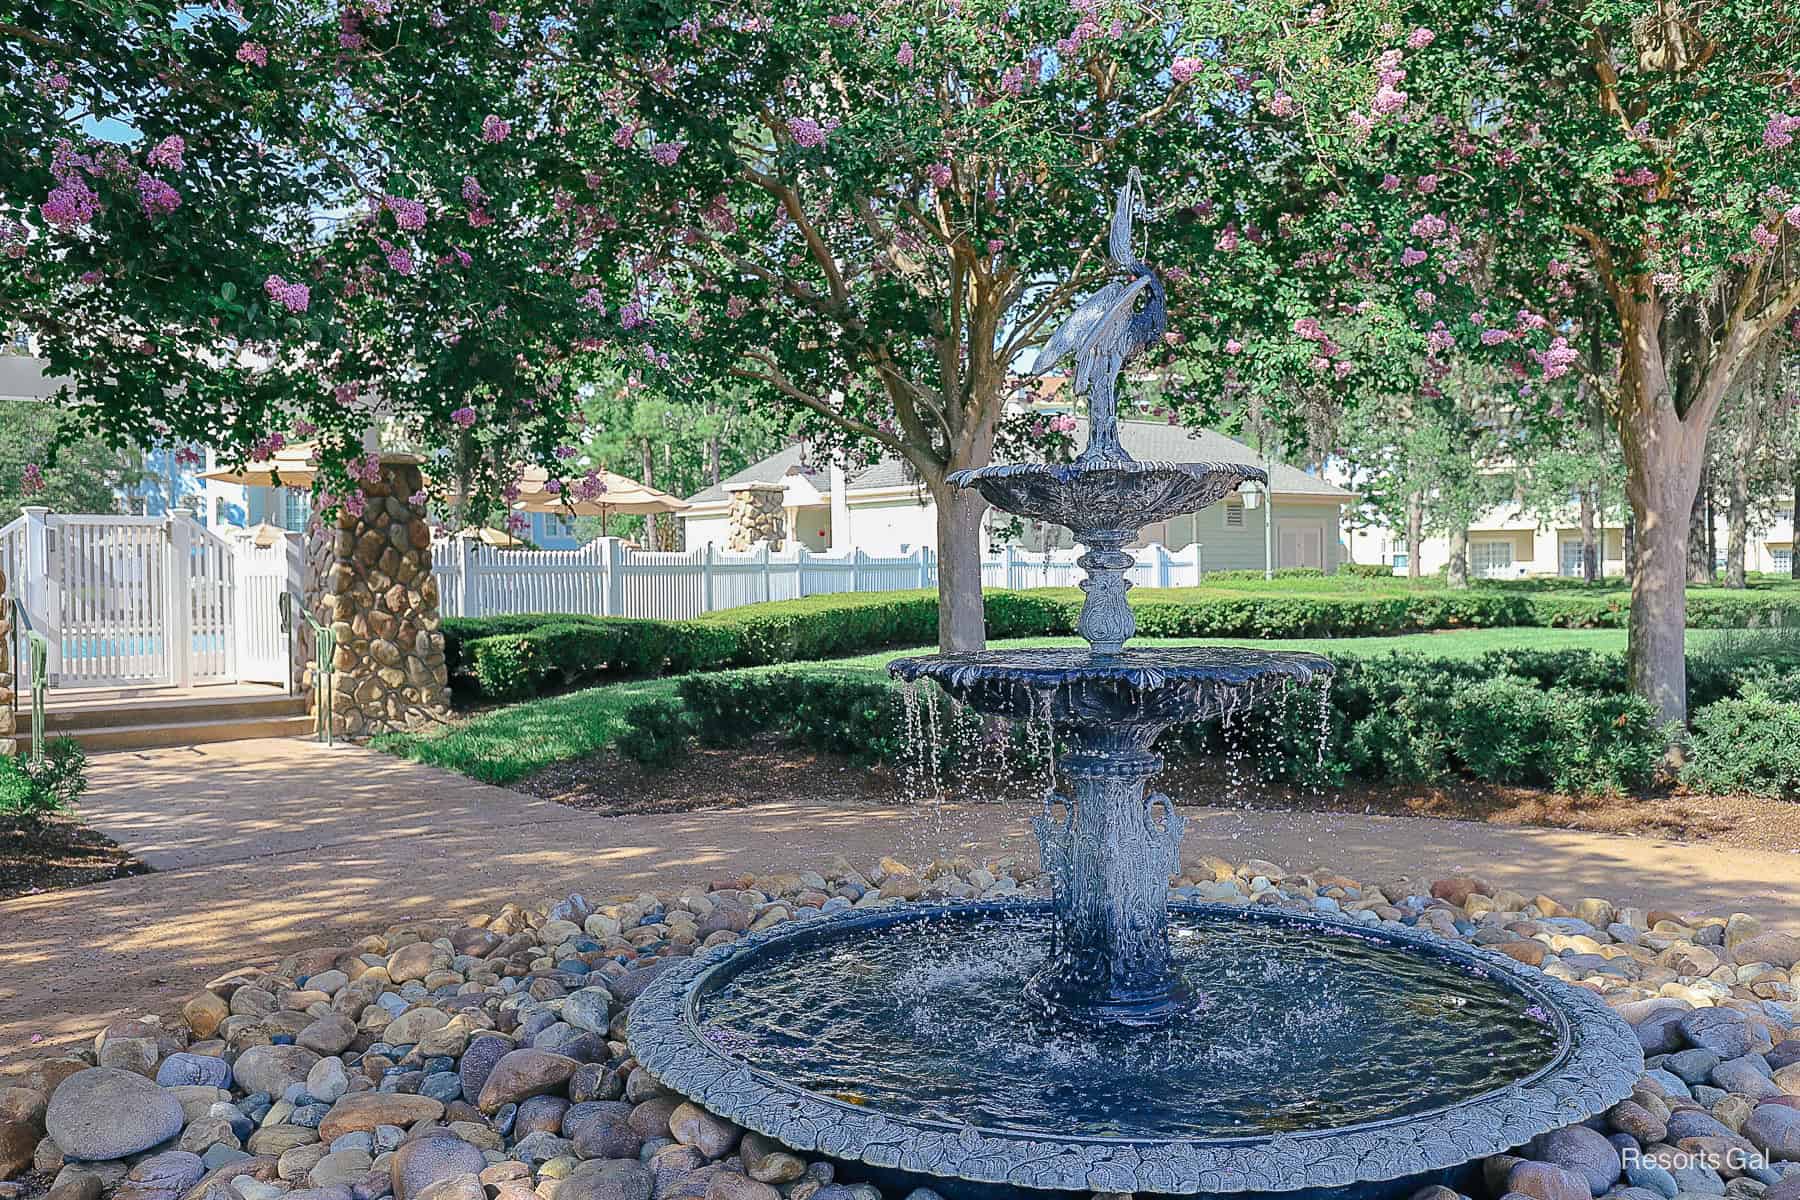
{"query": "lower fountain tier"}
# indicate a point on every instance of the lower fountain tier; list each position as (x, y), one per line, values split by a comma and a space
(1140, 690)
(1324, 1057)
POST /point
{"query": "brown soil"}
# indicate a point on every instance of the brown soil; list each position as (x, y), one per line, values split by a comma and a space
(59, 853)
(610, 784)
(767, 771)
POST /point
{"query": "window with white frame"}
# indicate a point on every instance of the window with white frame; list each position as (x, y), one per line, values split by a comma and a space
(1782, 561)
(1491, 558)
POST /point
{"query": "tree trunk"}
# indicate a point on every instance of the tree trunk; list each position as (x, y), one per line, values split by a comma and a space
(1458, 574)
(1699, 567)
(962, 622)
(1628, 546)
(1590, 555)
(1415, 533)
(647, 457)
(1663, 459)
(1737, 520)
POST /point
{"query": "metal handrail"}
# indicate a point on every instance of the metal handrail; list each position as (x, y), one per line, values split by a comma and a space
(324, 651)
(37, 657)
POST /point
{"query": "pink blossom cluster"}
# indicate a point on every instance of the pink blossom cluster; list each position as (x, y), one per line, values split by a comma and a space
(156, 197)
(493, 129)
(355, 503)
(1282, 105)
(253, 54)
(632, 315)
(846, 20)
(345, 393)
(1778, 134)
(366, 469)
(1420, 38)
(1184, 69)
(904, 56)
(665, 154)
(168, 153)
(292, 296)
(810, 133)
(464, 416)
(718, 215)
(1227, 241)
(736, 307)
(1430, 227)
(595, 299)
(939, 174)
(31, 479)
(1440, 340)
(1412, 256)
(1012, 81)
(1641, 177)
(70, 203)
(408, 214)
(1493, 337)
(1556, 361)
(1233, 346)
(623, 136)
(497, 21)
(264, 448)
(1765, 237)
(589, 487)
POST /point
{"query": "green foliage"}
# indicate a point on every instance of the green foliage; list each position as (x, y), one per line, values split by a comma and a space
(509, 657)
(87, 473)
(1748, 744)
(656, 732)
(1366, 570)
(842, 712)
(30, 793)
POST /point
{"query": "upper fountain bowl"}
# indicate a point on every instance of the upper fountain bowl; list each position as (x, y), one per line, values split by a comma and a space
(1106, 494)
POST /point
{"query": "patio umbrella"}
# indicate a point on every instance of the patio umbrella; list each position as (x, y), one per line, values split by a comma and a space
(290, 467)
(492, 537)
(621, 495)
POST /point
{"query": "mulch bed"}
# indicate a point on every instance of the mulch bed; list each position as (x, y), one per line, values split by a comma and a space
(59, 853)
(766, 771)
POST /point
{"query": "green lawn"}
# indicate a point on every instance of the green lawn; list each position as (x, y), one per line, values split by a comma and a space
(508, 743)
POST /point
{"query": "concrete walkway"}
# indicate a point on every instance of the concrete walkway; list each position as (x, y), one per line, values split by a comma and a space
(265, 847)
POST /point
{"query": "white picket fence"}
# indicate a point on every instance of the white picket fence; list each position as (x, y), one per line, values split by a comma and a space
(604, 578)
(148, 601)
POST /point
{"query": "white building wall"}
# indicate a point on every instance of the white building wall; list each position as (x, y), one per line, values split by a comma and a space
(893, 526)
(708, 528)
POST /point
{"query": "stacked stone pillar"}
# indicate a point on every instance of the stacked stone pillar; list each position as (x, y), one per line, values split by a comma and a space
(757, 514)
(368, 577)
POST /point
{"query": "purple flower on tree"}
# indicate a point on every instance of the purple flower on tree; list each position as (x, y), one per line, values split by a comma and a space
(493, 129)
(292, 296)
(253, 54)
(157, 198)
(464, 416)
(168, 153)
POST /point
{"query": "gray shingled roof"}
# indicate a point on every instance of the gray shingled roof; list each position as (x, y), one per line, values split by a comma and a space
(1151, 441)
(785, 461)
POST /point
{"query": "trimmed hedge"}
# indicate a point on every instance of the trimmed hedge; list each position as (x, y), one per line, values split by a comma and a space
(1396, 718)
(508, 657)
(1747, 744)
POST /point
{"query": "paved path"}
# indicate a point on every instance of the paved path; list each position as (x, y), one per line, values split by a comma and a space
(265, 847)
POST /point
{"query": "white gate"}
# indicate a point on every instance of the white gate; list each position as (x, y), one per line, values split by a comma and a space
(263, 574)
(143, 601)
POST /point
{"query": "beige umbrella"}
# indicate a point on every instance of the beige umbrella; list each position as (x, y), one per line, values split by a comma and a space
(492, 537)
(262, 534)
(291, 466)
(621, 495)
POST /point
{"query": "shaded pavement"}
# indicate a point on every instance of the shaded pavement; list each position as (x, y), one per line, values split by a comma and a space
(265, 847)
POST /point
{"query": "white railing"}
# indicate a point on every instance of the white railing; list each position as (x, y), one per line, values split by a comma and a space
(144, 601)
(604, 578)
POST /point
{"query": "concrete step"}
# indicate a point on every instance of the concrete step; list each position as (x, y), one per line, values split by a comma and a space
(152, 710)
(144, 736)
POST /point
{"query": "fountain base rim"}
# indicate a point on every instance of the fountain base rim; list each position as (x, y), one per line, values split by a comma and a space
(1596, 1066)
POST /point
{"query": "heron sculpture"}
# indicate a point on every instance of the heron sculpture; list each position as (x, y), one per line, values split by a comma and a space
(1106, 331)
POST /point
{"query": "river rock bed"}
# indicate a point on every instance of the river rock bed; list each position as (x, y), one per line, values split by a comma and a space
(486, 1059)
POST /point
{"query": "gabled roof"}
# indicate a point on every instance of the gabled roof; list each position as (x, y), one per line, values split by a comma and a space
(789, 460)
(1147, 441)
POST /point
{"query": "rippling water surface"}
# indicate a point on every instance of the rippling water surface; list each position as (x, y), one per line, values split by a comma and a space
(1289, 1029)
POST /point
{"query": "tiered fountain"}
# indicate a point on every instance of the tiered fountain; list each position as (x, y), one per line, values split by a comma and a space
(1108, 1040)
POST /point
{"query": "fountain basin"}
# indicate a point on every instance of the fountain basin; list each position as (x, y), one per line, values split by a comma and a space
(1106, 494)
(1076, 686)
(1323, 1056)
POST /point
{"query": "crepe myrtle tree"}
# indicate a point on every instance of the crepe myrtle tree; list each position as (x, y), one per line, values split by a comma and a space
(872, 209)
(1492, 164)
(221, 240)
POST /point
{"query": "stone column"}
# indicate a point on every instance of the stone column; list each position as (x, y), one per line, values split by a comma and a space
(369, 578)
(757, 514)
(9, 743)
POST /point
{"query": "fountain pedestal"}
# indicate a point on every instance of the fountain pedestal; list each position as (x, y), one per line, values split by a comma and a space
(1111, 857)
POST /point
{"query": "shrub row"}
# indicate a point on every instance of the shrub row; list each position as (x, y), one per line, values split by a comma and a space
(1558, 720)
(513, 656)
